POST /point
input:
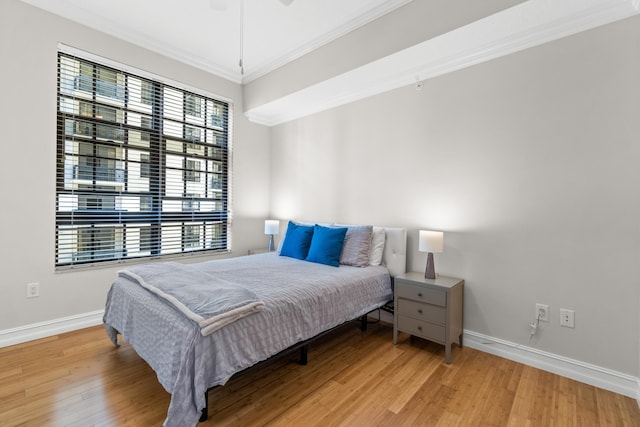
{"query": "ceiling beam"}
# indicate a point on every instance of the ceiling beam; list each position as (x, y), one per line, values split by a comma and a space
(520, 27)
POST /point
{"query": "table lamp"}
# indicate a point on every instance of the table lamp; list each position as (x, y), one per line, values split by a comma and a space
(271, 227)
(431, 242)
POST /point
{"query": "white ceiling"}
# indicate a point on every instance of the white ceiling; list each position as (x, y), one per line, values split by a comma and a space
(199, 32)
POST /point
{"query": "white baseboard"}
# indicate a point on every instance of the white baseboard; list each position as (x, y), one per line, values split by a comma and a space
(607, 379)
(49, 328)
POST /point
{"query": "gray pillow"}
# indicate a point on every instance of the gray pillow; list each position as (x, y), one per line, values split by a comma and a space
(355, 249)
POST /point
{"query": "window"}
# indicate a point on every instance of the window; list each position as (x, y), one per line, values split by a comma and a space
(142, 165)
(146, 92)
(191, 237)
(191, 170)
(146, 123)
(192, 133)
(146, 204)
(193, 105)
(146, 237)
(191, 204)
(145, 167)
(96, 243)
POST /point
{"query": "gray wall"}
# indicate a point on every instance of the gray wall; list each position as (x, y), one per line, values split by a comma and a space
(28, 44)
(529, 163)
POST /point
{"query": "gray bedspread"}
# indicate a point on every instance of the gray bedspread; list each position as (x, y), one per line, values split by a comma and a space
(302, 299)
(205, 298)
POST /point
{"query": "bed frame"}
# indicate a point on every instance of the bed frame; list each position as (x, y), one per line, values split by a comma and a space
(302, 346)
(394, 258)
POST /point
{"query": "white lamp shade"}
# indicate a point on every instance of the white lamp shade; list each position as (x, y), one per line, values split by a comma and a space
(271, 226)
(431, 241)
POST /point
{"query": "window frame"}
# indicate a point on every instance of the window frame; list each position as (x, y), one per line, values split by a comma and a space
(107, 136)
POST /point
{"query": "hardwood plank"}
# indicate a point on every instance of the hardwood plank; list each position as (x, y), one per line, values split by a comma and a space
(7, 374)
(353, 378)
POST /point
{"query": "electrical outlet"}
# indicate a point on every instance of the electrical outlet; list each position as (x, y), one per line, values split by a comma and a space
(567, 318)
(33, 290)
(542, 312)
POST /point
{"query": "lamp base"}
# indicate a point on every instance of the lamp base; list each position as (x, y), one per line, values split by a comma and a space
(272, 246)
(430, 272)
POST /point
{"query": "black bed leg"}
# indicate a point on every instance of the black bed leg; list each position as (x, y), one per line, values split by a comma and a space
(303, 355)
(363, 323)
(205, 411)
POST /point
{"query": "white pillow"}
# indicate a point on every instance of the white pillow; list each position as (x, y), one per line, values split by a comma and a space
(283, 234)
(376, 249)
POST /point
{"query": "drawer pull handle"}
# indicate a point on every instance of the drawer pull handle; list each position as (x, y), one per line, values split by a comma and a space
(420, 328)
(420, 310)
(420, 294)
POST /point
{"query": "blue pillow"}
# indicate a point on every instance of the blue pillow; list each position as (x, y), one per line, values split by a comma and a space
(326, 245)
(296, 241)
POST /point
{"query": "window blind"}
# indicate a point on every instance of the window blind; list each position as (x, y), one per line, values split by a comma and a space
(142, 166)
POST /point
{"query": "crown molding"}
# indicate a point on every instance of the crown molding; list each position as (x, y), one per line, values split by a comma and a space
(88, 19)
(520, 27)
(362, 18)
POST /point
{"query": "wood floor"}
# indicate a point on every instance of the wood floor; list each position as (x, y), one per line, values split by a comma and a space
(353, 379)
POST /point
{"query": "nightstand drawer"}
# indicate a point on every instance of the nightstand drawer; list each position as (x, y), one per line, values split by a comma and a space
(429, 308)
(417, 293)
(422, 329)
(422, 311)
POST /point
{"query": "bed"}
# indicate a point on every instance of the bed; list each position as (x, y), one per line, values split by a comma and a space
(301, 300)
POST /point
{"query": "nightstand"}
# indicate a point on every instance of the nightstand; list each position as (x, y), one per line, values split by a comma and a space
(429, 309)
(258, 251)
